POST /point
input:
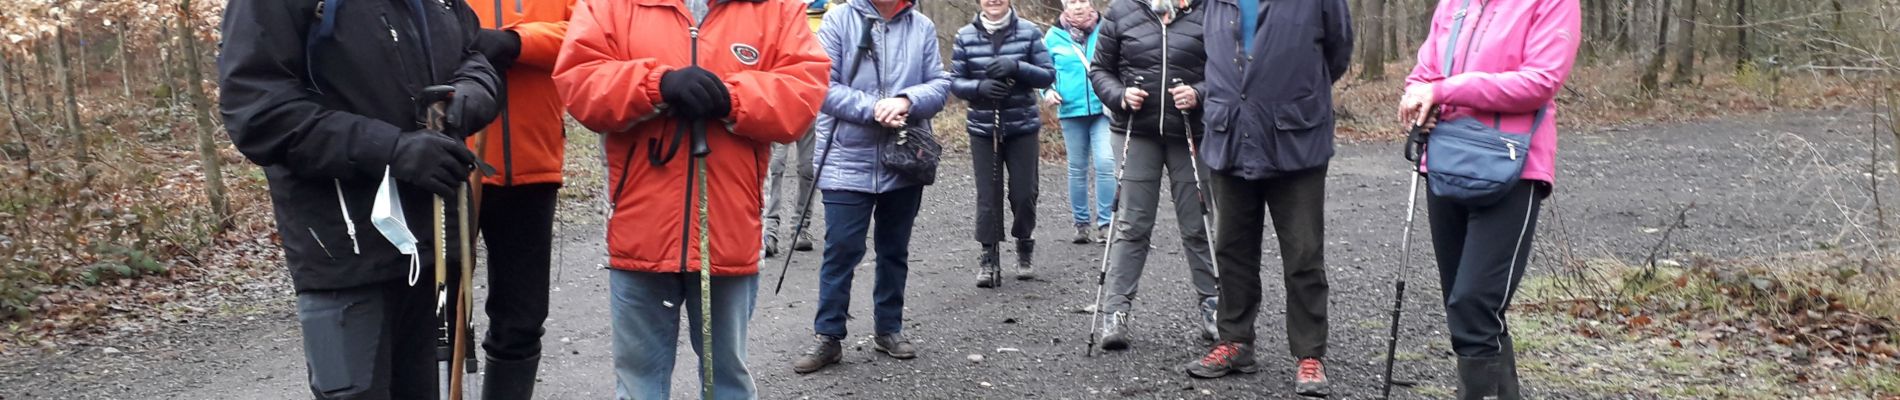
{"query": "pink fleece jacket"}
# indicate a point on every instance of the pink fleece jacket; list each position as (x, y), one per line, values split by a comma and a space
(1511, 59)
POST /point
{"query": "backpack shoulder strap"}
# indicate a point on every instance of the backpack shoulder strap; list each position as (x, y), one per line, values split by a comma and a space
(321, 28)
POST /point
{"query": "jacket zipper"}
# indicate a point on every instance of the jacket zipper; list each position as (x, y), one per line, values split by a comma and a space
(395, 46)
(348, 224)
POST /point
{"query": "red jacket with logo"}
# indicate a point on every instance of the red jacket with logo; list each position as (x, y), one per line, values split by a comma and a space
(609, 77)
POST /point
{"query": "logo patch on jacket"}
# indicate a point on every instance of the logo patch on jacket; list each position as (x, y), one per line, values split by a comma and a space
(746, 54)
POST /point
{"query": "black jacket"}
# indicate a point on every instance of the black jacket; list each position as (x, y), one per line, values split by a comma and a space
(1270, 110)
(976, 48)
(1130, 49)
(322, 119)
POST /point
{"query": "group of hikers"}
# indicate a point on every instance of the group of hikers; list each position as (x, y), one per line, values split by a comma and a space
(400, 104)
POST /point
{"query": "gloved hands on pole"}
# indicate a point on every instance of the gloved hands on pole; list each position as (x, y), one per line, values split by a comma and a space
(695, 93)
(471, 108)
(994, 90)
(431, 161)
(1002, 68)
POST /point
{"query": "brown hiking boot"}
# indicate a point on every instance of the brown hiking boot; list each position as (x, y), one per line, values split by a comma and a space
(894, 345)
(1311, 380)
(824, 351)
(1225, 358)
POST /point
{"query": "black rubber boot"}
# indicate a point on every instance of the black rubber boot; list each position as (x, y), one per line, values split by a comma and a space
(989, 272)
(1478, 377)
(510, 379)
(1025, 254)
(1508, 388)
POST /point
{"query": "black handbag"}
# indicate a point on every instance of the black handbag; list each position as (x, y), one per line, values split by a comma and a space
(911, 152)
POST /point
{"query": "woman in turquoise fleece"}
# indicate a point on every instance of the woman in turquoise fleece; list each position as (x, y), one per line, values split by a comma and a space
(1084, 126)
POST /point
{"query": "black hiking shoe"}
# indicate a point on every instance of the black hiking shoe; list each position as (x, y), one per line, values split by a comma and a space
(1209, 307)
(894, 345)
(1508, 388)
(989, 272)
(1478, 377)
(1225, 358)
(824, 351)
(1115, 331)
(1025, 253)
(802, 241)
(1311, 379)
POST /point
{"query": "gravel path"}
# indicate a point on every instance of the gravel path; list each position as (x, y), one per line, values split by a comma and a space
(1763, 184)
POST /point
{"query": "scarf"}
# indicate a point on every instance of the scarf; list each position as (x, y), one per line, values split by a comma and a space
(993, 26)
(1080, 25)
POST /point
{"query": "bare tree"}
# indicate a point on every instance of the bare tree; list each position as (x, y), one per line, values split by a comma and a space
(81, 146)
(1652, 73)
(207, 148)
(1373, 61)
(1685, 44)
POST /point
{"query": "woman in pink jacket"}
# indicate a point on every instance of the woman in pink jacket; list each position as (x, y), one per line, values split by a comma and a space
(1502, 62)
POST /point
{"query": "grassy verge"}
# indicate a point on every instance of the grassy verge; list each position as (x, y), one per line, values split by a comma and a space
(1807, 325)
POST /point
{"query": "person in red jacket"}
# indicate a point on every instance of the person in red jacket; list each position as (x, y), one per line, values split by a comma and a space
(517, 219)
(636, 71)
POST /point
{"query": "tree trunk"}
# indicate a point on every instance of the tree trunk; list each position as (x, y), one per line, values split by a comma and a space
(1373, 65)
(81, 146)
(1652, 73)
(1740, 10)
(13, 115)
(1685, 44)
(207, 147)
(125, 74)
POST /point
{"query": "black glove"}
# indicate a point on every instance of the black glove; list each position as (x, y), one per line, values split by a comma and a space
(501, 47)
(993, 89)
(695, 93)
(1002, 68)
(471, 108)
(431, 161)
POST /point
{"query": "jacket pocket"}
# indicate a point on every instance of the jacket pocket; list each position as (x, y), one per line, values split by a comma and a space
(1302, 115)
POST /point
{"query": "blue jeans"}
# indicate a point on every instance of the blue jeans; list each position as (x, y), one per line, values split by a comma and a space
(646, 318)
(1086, 139)
(847, 216)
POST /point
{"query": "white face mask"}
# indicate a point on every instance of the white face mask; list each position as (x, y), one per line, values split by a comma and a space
(387, 216)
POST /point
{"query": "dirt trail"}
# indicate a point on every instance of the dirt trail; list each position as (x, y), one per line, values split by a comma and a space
(1763, 184)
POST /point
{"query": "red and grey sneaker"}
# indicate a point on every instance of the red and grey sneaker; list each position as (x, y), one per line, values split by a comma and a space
(1311, 380)
(1225, 358)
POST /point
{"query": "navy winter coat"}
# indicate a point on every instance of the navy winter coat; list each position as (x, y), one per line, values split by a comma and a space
(1270, 110)
(1020, 42)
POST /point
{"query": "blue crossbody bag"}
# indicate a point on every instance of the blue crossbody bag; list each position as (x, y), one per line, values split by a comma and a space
(1469, 162)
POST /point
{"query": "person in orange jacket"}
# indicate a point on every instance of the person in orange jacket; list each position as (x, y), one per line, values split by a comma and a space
(637, 71)
(517, 219)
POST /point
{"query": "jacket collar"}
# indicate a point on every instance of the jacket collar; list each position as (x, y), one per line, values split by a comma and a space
(1009, 26)
(682, 3)
(868, 10)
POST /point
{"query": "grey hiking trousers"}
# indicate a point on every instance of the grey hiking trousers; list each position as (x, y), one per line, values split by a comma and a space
(1135, 221)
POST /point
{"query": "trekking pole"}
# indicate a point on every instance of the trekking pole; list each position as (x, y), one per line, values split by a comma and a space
(436, 121)
(1204, 192)
(1414, 149)
(824, 157)
(700, 149)
(1115, 209)
(996, 171)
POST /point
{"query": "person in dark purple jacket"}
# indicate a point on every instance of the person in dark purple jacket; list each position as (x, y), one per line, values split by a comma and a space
(1269, 119)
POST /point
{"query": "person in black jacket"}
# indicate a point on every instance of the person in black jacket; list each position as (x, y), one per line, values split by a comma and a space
(323, 95)
(1148, 67)
(998, 64)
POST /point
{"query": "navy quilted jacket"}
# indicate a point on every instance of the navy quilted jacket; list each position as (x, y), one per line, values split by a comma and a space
(1020, 42)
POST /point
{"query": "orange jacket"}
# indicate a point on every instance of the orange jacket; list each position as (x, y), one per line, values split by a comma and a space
(529, 150)
(609, 77)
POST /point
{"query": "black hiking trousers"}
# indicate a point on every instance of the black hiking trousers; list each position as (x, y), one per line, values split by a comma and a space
(370, 342)
(1019, 163)
(1483, 253)
(1297, 203)
(518, 228)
